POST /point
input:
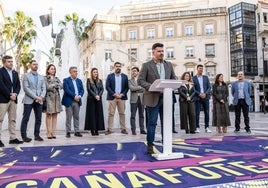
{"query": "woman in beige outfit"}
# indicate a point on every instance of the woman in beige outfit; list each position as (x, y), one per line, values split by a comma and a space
(53, 100)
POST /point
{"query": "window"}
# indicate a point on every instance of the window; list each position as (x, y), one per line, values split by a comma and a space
(108, 35)
(210, 50)
(132, 35)
(132, 57)
(265, 17)
(189, 30)
(169, 32)
(170, 53)
(211, 71)
(108, 55)
(150, 33)
(189, 51)
(190, 70)
(149, 53)
(209, 29)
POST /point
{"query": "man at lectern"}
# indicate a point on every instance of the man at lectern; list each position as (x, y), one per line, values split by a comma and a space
(157, 68)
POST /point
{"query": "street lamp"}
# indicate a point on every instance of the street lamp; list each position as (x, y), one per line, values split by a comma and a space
(263, 77)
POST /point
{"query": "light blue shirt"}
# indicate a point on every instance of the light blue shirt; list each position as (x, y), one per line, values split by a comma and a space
(75, 87)
(118, 83)
(200, 81)
(161, 70)
(241, 90)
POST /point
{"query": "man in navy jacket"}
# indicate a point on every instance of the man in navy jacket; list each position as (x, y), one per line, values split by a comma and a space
(9, 90)
(117, 88)
(202, 90)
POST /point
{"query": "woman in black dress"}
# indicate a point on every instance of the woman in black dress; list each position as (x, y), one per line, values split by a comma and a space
(221, 118)
(94, 111)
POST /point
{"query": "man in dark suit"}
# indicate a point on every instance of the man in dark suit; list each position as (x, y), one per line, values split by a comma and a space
(202, 93)
(73, 92)
(117, 88)
(157, 68)
(9, 91)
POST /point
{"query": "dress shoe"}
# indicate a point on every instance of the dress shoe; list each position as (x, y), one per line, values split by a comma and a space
(78, 134)
(134, 133)
(93, 133)
(26, 139)
(124, 131)
(49, 137)
(54, 137)
(248, 130)
(174, 131)
(143, 132)
(1, 144)
(68, 135)
(108, 132)
(97, 133)
(15, 141)
(150, 149)
(38, 138)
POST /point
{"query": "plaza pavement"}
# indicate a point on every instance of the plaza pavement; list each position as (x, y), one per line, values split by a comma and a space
(258, 124)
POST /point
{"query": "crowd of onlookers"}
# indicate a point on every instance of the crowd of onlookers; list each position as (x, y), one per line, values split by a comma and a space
(42, 94)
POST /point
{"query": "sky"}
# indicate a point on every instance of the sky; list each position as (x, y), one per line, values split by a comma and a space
(34, 8)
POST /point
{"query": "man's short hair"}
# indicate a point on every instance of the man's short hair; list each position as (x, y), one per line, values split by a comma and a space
(138, 70)
(199, 65)
(155, 45)
(117, 63)
(6, 57)
(33, 60)
(71, 68)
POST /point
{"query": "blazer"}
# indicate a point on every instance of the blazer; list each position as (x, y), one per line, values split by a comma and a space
(135, 90)
(94, 89)
(32, 91)
(7, 86)
(69, 92)
(246, 89)
(148, 75)
(206, 85)
(110, 86)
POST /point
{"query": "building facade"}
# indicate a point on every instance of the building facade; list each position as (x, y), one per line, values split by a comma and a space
(225, 36)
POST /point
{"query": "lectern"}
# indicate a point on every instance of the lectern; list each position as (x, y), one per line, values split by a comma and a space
(167, 86)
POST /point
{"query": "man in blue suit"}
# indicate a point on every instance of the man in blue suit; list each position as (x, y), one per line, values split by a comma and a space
(117, 88)
(73, 92)
(241, 90)
(202, 90)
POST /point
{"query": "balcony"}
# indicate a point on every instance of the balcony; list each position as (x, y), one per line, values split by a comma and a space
(175, 15)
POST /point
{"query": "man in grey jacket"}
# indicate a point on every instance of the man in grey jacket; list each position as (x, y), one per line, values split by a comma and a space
(157, 68)
(136, 101)
(34, 87)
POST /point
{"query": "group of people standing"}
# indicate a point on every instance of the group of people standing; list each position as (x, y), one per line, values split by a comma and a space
(194, 96)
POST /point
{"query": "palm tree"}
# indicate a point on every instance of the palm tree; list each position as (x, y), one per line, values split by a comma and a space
(79, 25)
(20, 31)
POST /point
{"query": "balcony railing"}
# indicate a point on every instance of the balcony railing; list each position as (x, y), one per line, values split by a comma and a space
(176, 14)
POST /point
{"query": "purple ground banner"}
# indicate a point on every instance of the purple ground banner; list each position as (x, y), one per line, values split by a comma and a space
(207, 162)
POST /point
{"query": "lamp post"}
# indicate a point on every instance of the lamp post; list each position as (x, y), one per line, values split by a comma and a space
(263, 78)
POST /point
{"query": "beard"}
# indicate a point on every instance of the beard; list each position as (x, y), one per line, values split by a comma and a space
(118, 71)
